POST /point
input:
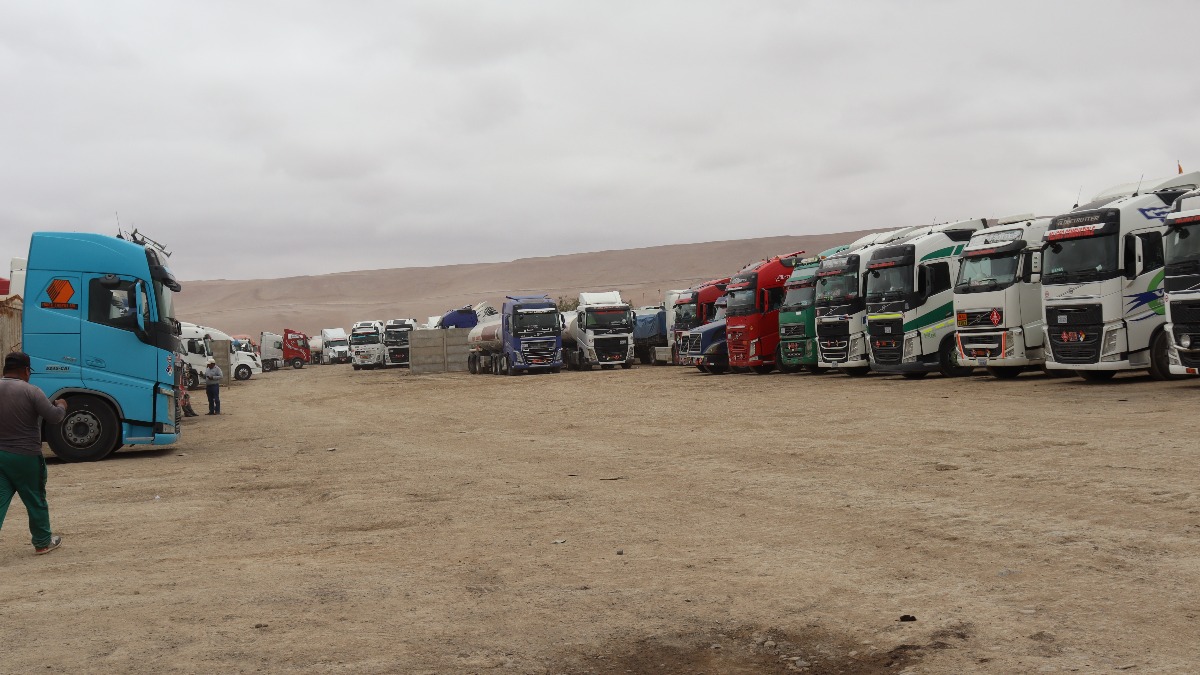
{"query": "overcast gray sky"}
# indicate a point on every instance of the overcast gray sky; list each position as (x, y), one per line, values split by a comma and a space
(268, 139)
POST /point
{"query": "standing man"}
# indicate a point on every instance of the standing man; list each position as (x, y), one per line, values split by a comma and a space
(212, 386)
(22, 466)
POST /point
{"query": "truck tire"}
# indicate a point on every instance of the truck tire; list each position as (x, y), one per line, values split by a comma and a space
(583, 364)
(354, 366)
(1004, 372)
(193, 379)
(472, 364)
(506, 367)
(701, 367)
(627, 366)
(556, 369)
(242, 372)
(1160, 363)
(1096, 375)
(297, 363)
(948, 360)
(89, 432)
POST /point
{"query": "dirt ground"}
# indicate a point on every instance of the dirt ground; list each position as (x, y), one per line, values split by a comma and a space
(649, 521)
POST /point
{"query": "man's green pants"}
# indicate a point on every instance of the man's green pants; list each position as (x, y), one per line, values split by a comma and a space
(25, 475)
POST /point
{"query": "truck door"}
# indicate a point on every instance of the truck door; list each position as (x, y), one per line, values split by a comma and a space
(1143, 297)
(115, 356)
(51, 332)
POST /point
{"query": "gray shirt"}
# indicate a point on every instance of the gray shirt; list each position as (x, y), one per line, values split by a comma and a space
(21, 404)
(213, 375)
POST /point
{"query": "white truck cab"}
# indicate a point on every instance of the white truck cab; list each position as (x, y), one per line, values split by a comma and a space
(1102, 282)
(197, 350)
(366, 344)
(1183, 284)
(998, 298)
(599, 332)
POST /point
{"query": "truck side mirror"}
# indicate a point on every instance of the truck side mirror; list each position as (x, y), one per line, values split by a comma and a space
(140, 310)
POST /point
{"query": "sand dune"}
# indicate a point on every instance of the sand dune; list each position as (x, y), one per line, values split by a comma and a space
(312, 302)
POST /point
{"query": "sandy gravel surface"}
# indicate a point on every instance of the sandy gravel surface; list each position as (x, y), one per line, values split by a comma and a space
(653, 520)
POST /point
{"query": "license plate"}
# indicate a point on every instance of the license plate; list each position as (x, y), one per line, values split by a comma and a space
(982, 362)
(887, 329)
(1062, 318)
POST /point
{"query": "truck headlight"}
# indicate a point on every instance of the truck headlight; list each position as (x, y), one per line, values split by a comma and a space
(912, 344)
(1185, 341)
(1112, 343)
(1010, 343)
(753, 347)
(519, 357)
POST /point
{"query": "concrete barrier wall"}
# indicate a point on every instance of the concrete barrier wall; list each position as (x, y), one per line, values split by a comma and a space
(10, 324)
(438, 351)
(220, 349)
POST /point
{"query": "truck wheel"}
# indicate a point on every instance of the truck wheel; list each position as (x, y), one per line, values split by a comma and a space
(948, 360)
(1160, 364)
(193, 380)
(242, 372)
(354, 366)
(1004, 372)
(297, 363)
(857, 371)
(627, 366)
(913, 376)
(472, 364)
(89, 432)
(701, 367)
(506, 367)
(556, 370)
(1097, 375)
(583, 364)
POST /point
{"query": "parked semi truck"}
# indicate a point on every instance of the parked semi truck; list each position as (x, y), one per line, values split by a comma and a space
(598, 332)
(335, 346)
(1102, 282)
(99, 326)
(396, 334)
(705, 346)
(841, 306)
(998, 298)
(910, 301)
(752, 312)
(797, 316)
(292, 348)
(1182, 283)
(526, 336)
(650, 334)
(196, 349)
(694, 308)
(366, 344)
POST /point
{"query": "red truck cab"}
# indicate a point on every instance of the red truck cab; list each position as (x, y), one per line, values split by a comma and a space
(753, 297)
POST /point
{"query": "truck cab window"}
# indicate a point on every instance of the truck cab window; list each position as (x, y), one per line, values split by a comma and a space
(1152, 251)
(114, 305)
(939, 274)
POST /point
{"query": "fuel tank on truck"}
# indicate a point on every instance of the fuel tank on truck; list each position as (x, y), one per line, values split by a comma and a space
(487, 335)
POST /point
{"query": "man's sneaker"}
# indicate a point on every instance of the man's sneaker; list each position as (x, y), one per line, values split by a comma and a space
(55, 542)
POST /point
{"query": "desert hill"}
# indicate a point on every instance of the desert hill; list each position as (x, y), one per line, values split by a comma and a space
(310, 303)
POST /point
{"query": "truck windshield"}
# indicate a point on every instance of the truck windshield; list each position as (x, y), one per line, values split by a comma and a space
(608, 318)
(165, 298)
(340, 342)
(686, 316)
(988, 273)
(741, 302)
(800, 296)
(395, 334)
(889, 283)
(364, 339)
(1079, 260)
(1183, 246)
(535, 321)
(837, 289)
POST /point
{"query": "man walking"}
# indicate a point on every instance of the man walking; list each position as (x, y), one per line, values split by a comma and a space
(212, 386)
(22, 466)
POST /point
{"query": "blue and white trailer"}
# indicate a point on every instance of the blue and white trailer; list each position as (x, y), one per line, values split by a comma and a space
(99, 327)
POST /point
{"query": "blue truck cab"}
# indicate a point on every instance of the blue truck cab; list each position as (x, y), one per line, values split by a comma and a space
(705, 347)
(99, 327)
(525, 337)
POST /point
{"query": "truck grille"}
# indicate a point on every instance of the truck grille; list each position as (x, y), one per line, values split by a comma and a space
(887, 340)
(979, 345)
(1190, 359)
(537, 352)
(689, 344)
(833, 329)
(1067, 346)
(792, 330)
(398, 354)
(834, 350)
(609, 349)
(1079, 315)
(1185, 312)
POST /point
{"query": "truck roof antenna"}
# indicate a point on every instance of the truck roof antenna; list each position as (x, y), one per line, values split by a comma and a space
(1077, 196)
(1139, 187)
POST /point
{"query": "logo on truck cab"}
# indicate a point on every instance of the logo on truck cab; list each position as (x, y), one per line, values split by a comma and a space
(60, 291)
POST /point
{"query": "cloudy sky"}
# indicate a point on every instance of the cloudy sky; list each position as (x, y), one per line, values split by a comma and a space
(270, 139)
